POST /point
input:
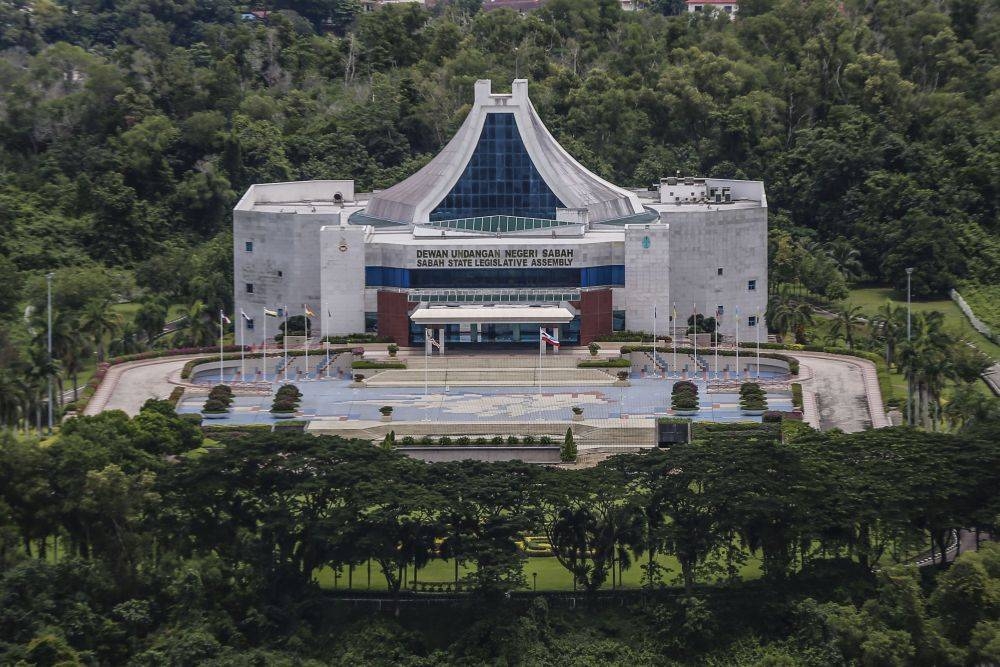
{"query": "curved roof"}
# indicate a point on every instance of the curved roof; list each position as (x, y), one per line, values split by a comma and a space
(413, 200)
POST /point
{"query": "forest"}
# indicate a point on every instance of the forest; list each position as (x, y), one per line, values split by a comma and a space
(137, 541)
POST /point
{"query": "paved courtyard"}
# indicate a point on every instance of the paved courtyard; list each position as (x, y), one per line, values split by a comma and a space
(336, 399)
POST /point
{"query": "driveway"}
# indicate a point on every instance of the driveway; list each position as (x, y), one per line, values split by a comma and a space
(127, 386)
(845, 388)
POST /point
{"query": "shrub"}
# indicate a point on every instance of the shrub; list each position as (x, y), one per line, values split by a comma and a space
(358, 377)
(377, 365)
(577, 410)
(545, 440)
(191, 417)
(797, 395)
(174, 399)
(604, 363)
(444, 441)
(529, 440)
(684, 396)
(464, 441)
(567, 453)
(497, 440)
(622, 375)
(481, 441)
(386, 410)
(752, 397)
(408, 441)
(215, 406)
(512, 440)
(289, 391)
(221, 393)
(427, 441)
(771, 417)
(392, 349)
(283, 405)
(389, 441)
(594, 349)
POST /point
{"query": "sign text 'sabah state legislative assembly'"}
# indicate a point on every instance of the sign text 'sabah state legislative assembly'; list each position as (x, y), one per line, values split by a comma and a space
(475, 258)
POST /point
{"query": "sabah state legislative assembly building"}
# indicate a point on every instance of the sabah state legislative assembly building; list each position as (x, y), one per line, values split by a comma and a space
(500, 235)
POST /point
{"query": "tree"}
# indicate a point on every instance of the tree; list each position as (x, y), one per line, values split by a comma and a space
(567, 453)
(888, 326)
(199, 329)
(847, 319)
(99, 321)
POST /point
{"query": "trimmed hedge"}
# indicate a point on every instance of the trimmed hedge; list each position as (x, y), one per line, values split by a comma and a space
(383, 365)
(481, 441)
(797, 395)
(357, 338)
(617, 362)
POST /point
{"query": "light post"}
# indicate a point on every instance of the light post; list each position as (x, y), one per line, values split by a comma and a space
(48, 285)
(534, 581)
(909, 383)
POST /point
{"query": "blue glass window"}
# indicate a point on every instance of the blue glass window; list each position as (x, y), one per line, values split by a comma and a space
(591, 276)
(499, 179)
(596, 276)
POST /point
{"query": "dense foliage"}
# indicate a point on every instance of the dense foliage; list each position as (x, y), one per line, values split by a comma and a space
(114, 549)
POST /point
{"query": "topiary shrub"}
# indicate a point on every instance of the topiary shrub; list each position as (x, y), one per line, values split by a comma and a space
(289, 391)
(215, 406)
(426, 441)
(464, 441)
(444, 441)
(684, 396)
(408, 441)
(284, 405)
(481, 441)
(392, 349)
(497, 440)
(545, 440)
(752, 397)
(594, 348)
(568, 453)
(512, 440)
(529, 440)
(386, 410)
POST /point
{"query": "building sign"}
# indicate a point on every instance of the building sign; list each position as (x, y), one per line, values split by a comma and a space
(479, 258)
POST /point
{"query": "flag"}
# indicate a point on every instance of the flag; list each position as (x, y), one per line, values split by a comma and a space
(309, 313)
(548, 338)
(270, 313)
(244, 315)
(225, 320)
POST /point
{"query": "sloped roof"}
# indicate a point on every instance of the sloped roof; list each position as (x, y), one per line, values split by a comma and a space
(412, 200)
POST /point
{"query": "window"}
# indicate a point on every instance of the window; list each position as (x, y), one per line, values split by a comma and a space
(248, 246)
(280, 274)
(752, 285)
(249, 288)
(618, 320)
(719, 271)
(250, 324)
(499, 179)
(752, 321)
(719, 310)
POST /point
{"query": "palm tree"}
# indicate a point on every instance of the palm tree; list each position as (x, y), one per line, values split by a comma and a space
(199, 329)
(128, 341)
(151, 317)
(847, 318)
(928, 362)
(786, 313)
(12, 398)
(969, 406)
(39, 372)
(888, 326)
(99, 321)
(846, 257)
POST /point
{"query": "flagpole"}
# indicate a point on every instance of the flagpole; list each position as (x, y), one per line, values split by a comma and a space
(538, 375)
(656, 366)
(673, 336)
(715, 335)
(243, 349)
(739, 374)
(694, 321)
(427, 345)
(222, 377)
(264, 352)
(284, 339)
(305, 325)
(757, 332)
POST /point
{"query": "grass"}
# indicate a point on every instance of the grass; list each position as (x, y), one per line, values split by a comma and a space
(872, 298)
(985, 303)
(551, 575)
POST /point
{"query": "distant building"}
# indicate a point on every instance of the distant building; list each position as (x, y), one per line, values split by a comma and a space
(634, 5)
(503, 233)
(725, 6)
(372, 5)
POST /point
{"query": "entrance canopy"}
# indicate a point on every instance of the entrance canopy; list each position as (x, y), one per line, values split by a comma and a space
(491, 314)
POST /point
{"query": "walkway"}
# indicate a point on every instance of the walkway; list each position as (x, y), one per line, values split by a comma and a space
(127, 386)
(845, 389)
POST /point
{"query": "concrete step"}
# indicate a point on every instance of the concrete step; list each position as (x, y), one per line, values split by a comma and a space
(514, 360)
(496, 377)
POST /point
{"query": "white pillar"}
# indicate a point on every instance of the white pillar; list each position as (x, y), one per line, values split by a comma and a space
(555, 334)
(441, 340)
(427, 341)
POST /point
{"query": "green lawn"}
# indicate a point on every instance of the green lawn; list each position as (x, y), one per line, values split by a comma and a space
(551, 575)
(872, 298)
(985, 303)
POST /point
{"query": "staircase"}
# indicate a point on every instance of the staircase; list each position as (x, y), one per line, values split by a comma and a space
(514, 370)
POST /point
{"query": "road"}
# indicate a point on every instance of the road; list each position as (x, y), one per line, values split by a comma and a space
(127, 386)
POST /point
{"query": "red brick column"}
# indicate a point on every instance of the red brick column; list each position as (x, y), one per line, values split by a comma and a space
(595, 315)
(393, 320)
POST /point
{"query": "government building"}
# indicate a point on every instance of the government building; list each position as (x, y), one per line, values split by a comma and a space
(502, 234)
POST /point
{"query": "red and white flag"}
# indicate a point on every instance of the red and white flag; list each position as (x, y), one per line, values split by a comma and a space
(547, 338)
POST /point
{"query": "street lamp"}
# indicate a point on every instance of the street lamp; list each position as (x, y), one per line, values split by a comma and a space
(909, 384)
(48, 287)
(534, 581)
